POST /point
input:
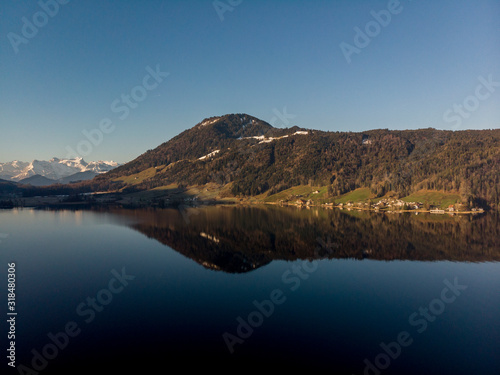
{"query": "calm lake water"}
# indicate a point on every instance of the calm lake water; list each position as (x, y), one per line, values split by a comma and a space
(239, 288)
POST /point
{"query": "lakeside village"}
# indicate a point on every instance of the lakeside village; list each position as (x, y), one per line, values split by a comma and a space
(385, 205)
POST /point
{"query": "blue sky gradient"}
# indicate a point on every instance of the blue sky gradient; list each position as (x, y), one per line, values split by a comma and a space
(259, 58)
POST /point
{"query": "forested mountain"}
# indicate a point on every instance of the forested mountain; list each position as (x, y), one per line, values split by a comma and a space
(246, 157)
(256, 158)
(209, 135)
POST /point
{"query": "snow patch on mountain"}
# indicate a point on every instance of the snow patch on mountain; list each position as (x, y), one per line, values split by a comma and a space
(209, 155)
(209, 122)
(263, 139)
(9, 170)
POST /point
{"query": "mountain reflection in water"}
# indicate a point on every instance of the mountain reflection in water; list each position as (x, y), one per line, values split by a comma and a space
(241, 239)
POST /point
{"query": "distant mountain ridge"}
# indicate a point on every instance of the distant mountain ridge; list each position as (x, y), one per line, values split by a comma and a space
(54, 170)
(37, 180)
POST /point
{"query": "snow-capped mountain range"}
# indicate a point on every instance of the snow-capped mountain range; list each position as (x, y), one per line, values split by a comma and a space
(54, 169)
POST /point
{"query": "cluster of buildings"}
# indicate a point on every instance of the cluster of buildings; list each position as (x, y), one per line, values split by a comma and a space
(386, 203)
(392, 204)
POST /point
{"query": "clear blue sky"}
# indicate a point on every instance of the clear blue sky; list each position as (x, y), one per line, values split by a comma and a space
(259, 58)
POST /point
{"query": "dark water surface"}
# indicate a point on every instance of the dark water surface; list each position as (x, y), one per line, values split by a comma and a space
(233, 289)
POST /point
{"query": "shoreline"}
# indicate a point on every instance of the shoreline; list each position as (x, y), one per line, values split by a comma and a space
(443, 212)
(157, 199)
(200, 203)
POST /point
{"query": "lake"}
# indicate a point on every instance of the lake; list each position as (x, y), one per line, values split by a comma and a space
(252, 288)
